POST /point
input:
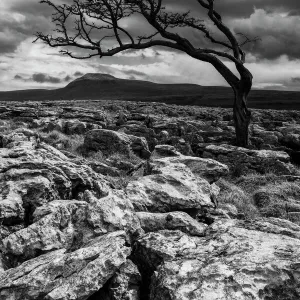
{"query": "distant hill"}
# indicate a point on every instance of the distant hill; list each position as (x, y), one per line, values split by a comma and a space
(105, 86)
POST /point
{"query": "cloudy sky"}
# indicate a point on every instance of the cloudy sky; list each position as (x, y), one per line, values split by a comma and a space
(274, 60)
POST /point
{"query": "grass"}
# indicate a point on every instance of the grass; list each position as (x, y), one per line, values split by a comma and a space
(277, 199)
(256, 195)
(234, 195)
(6, 127)
(71, 143)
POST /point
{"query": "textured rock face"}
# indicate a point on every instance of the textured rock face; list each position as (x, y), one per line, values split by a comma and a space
(173, 188)
(262, 161)
(151, 222)
(124, 285)
(209, 169)
(69, 224)
(233, 261)
(62, 275)
(68, 233)
(33, 174)
(161, 151)
(110, 142)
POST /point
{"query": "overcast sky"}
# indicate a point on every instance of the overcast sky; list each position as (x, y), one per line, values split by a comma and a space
(274, 60)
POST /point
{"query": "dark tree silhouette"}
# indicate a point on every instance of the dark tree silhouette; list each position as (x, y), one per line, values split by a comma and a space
(99, 23)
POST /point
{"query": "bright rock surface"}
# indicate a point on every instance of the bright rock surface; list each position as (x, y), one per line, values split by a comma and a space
(70, 276)
(173, 188)
(151, 222)
(233, 262)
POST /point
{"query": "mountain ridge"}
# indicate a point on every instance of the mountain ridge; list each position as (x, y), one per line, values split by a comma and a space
(101, 86)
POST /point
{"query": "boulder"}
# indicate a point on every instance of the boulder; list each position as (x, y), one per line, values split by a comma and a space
(70, 224)
(151, 222)
(104, 169)
(233, 261)
(246, 160)
(110, 142)
(209, 169)
(67, 275)
(32, 175)
(164, 151)
(124, 285)
(75, 127)
(171, 187)
(142, 130)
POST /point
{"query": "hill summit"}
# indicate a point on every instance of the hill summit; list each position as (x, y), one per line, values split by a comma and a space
(96, 77)
(101, 86)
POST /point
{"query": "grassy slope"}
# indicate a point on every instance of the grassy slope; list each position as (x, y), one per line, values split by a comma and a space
(183, 94)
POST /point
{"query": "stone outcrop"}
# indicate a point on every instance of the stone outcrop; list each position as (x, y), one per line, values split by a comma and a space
(33, 174)
(209, 169)
(79, 225)
(67, 275)
(69, 224)
(262, 161)
(233, 261)
(110, 142)
(124, 285)
(174, 187)
(151, 222)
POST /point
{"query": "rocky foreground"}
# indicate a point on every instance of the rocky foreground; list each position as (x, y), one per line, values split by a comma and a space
(125, 201)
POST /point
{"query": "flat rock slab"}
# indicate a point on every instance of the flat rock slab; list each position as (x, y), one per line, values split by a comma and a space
(173, 188)
(233, 262)
(69, 224)
(173, 221)
(70, 276)
(110, 142)
(206, 168)
(32, 175)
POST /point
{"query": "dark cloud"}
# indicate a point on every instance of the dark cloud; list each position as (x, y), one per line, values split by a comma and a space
(132, 72)
(77, 74)
(18, 77)
(295, 80)
(27, 17)
(279, 35)
(42, 78)
(68, 78)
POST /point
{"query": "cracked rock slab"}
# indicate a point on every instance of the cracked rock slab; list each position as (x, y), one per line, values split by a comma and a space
(69, 276)
(69, 224)
(151, 222)
(233, 262)
(173, 188)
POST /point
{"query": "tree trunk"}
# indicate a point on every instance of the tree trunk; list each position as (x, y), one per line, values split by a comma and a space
(241, 114)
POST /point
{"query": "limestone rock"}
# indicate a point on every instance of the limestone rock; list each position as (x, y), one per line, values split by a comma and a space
(172, 187)
(66, 275)
(109, 142)
(151, 222)
(246, 160)
(104, 169)
(164, 151)
(233, 262)
(70, 224)
(32, 175)
(209, 169)
(124, 285)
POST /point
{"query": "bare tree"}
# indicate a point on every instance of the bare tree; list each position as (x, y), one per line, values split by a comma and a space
(101, 22)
